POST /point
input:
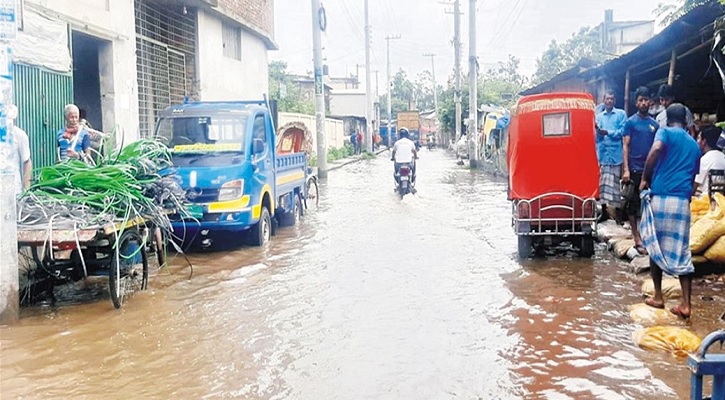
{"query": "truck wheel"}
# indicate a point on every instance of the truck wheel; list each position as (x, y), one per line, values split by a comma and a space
(586, 247)
(291, 218)
(524, 246)
(261, 232)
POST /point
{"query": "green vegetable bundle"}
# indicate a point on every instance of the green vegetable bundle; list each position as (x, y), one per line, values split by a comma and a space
(114, 188)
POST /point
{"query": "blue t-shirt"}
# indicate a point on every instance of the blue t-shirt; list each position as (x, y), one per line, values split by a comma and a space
(641, 132)
(677, 164)
(83, 142)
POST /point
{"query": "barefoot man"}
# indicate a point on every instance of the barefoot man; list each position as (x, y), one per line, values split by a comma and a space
(669, 172)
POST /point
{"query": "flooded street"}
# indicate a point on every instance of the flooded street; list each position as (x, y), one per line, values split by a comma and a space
(368, 298)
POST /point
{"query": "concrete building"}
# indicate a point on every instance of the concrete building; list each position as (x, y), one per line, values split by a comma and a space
(621, 37)
(201, 50)
(80, 51)
(123, 61)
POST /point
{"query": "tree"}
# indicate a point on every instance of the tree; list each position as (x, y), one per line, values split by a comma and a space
(585, 43)
(289, 95)
(672, 12)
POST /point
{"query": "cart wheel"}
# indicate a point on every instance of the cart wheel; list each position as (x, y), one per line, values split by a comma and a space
(524, 246)
(312, 199)
(586, 247)
(291, 218)
(129, 268)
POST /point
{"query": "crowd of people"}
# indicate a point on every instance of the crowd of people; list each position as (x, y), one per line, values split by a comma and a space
(651, 164)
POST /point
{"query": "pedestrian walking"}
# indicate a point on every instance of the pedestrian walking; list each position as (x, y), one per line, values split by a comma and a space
(669, 171)
(638, 136)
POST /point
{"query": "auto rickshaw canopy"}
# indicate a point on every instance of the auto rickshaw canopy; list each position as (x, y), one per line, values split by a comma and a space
(551, 146)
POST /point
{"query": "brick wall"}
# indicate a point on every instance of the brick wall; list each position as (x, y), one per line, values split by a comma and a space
(257, 13)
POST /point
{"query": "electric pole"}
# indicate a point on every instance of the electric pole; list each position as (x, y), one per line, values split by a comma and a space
(457, 69)
(435, 89)
(319, 22)
(472, 88)
(390, 105)
(368, 91)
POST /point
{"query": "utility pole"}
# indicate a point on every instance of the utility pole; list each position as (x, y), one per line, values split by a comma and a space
(376, 106)
(390, 104)
(472, 88)
(368, 91)
(435, 89)
(319, 25)
(457, 69)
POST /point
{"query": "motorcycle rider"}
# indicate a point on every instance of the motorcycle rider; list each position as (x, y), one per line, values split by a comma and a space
(404, 152)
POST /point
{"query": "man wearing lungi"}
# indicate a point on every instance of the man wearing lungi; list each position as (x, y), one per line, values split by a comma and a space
(638, 135)
(610, 124)
(669, 172)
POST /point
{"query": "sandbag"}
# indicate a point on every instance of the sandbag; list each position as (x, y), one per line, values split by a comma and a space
(645, 315)
(671, 288)
(639, 265)
(621, 248)
(609, 230)
(678, 341)
(716, 252)
(700, 259)
(706, 231)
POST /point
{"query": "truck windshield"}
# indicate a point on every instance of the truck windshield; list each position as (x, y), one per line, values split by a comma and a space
(205, 134)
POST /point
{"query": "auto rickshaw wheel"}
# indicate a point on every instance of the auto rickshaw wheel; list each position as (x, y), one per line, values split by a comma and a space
(586, 246)
(525, 246)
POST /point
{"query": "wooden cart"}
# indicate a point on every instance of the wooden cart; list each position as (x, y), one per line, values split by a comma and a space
(116, 250)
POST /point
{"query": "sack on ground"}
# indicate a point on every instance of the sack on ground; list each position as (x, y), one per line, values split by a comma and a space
(716, 252)
(678, 341)
(621, 248)
(645, 315)
(639, 265)
(700, 205)
(706, 231)
(700, 259)
(671, 289)
(609, 230)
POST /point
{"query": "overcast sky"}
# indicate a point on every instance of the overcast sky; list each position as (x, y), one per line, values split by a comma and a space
(523, 28)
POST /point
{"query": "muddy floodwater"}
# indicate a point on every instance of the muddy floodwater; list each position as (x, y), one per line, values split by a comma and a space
(368, 298)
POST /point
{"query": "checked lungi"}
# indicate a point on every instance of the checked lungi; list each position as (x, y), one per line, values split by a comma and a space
(610, 192)
(665, 230)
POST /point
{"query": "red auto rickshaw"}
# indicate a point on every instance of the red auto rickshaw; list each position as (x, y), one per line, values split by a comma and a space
(553, 171)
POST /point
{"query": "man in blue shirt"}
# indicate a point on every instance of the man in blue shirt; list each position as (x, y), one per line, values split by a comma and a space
(669, 172)
(609, 151)
(638, 136)
(74, 141)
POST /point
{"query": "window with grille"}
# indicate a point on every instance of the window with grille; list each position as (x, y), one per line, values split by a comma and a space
(232, 41)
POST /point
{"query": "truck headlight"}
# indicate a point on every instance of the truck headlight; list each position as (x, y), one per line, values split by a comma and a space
(231, 190)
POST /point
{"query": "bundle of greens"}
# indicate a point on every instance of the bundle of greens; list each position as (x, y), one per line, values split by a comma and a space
(125, 185)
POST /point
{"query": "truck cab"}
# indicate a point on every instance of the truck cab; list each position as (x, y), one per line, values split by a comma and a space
(224, 158)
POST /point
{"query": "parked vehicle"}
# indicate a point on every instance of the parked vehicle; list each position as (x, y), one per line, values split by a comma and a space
(411, 120)
(553, 171)
(224, 156)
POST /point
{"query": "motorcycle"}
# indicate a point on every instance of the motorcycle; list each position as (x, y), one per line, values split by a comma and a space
(403, 180)
(431, 145)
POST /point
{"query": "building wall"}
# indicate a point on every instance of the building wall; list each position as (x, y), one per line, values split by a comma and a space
(352, 104)
(257, 14)
(334, 128)
(623, 40)
(112, 22)
(225, 78)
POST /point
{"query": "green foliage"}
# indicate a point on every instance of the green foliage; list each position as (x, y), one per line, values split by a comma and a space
(338, 154)
(366, 155)
(672, 12)
(406, 94)
(288, 95)
(559, 57)
(498, 87)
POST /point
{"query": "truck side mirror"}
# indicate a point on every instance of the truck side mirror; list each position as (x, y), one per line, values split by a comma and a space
(258, 146)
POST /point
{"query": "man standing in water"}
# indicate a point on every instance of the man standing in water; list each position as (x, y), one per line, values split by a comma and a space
(609, 152)
(638, 136)
(669, 172)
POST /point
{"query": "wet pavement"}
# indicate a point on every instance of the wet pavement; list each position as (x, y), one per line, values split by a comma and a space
(369, 297)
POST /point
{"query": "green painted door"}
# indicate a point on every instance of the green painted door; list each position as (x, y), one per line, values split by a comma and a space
(40, 95)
